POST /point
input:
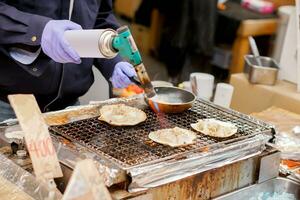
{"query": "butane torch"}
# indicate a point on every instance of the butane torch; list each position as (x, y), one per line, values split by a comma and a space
(108, 43)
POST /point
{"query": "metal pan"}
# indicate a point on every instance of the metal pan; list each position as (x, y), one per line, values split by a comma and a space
(171, 100)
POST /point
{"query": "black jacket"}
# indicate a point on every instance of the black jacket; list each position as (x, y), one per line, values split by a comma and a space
(21, 25)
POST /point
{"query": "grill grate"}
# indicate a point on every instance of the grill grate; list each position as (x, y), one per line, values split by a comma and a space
(130, 146)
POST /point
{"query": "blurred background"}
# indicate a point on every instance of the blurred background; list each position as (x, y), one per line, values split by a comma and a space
(180, 37)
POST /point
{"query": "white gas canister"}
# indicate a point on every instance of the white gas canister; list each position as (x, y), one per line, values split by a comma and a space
(92, 43)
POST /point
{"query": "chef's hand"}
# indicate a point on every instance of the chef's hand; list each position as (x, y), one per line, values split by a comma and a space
(122, 71)
(54, 43)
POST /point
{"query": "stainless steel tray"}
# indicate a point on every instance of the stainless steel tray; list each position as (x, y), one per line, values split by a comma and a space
(278, 185)
(265, 74)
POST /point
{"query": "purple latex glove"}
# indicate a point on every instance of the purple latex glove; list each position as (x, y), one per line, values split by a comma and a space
(54, 43)
(122, 71)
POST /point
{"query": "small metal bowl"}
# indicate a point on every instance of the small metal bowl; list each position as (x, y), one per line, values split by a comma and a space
(266, 73)
(171, 100)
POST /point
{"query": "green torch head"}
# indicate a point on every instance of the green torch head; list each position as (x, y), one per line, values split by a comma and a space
(125, 45)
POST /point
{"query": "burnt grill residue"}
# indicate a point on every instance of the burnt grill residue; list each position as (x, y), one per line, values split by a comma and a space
(130, 146)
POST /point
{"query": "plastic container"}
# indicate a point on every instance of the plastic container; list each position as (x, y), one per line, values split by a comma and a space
(223, 94)
(202, 85)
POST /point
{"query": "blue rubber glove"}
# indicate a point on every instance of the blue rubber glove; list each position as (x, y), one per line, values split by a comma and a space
(122, 71)
(54, 43)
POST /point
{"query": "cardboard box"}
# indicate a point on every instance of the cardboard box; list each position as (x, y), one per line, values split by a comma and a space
(127, 8)
(249, 98)
(141, 35)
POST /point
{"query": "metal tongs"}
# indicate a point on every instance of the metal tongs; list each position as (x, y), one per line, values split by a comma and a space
(148, 87)
(135, 80)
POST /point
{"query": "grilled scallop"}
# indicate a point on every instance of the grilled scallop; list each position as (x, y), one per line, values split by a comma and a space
(215, 128)
(174, 137)
(122, 115)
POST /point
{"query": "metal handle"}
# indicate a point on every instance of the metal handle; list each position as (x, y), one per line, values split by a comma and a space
(135, 80)
(254, 50)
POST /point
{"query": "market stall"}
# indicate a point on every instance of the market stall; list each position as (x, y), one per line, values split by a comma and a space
(151, 140)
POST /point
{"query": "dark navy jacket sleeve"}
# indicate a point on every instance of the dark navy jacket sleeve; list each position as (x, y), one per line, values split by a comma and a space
(106, 19)
(17, 27)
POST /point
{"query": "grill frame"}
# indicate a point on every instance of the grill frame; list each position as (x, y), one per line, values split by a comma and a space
(202, 109)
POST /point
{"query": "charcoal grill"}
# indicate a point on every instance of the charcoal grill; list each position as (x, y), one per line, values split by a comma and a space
(149, 164)
(130, 147)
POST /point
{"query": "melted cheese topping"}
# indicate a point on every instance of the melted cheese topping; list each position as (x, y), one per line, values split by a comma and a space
(121, 115)
(173, 137)
(215, 128)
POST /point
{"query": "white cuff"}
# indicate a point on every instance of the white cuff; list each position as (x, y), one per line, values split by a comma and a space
(23, 56)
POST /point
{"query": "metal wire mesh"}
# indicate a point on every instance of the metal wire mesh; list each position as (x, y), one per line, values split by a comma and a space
(131, 147)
